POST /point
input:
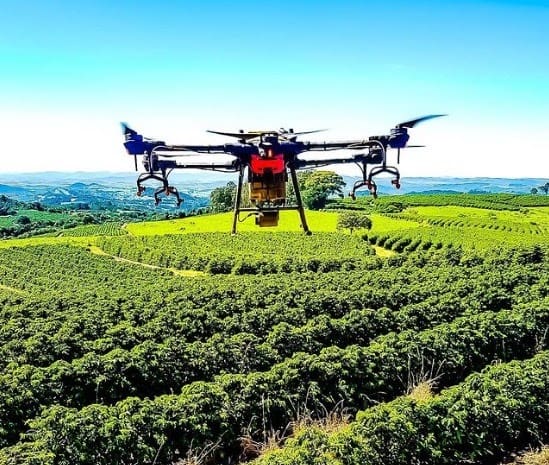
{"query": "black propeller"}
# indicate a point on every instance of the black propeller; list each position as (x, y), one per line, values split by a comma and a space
(128, 133)
(256, 134)
(413, 122)
(127, 130)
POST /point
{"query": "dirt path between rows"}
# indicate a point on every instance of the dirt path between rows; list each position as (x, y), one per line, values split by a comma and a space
(187, 273)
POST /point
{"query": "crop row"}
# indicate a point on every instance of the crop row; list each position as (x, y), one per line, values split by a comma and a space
(395, 203)
(247, 253)
(40, 329)
(425, 238)
(104, 229)
(481, 420)
(160, 429)
(486, 201)
(522, 228)
(151, 368)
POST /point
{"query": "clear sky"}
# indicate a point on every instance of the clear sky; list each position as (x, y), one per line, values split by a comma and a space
(70, 71)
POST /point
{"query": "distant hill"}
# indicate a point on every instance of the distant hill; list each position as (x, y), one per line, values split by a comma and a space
(101, 190)
(117, 190)
(13, 191)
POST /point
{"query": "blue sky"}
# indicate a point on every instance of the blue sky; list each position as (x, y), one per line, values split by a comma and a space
(70, 72)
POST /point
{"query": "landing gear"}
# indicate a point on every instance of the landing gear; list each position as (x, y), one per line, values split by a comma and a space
(165, 189)
(372, 187)
(367, 177)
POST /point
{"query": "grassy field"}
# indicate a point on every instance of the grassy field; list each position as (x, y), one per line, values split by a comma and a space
(289, 221)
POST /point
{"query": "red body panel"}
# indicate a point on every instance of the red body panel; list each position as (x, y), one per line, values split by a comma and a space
(275, 164)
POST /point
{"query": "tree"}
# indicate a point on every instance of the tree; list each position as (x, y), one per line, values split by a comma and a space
(545, 188)
(222, 198)
(533, 191)
(88, 219)
(23, 220)
(316, 187)
(353, 220)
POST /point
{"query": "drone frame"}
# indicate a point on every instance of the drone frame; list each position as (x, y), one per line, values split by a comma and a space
(256, 149)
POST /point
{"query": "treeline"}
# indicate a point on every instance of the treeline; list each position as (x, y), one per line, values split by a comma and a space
(396, 203)
(26, 219)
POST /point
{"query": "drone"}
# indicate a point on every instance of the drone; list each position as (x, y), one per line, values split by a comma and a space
(269, 159)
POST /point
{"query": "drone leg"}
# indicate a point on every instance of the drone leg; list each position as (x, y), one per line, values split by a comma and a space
(157, 199)
(299, 202)
(372, 187)
(141, 178)
(358, 184)
(383, 169)
(237, 199)
(140, 189)
(173, 190)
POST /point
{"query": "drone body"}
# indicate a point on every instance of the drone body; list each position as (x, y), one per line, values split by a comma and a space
(271, 159)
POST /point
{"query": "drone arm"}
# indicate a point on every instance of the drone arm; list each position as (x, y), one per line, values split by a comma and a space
(328, 146)
(329, 161)
(173, 164)
(192, 148)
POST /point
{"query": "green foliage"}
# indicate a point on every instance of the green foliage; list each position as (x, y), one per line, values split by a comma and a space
(120, 362)
(222, 198)
(498, 202)
(544, 188)
(477, 421)
(23, 220)
(245, 253)
(316, 186)
(353, 220)
(104, 229)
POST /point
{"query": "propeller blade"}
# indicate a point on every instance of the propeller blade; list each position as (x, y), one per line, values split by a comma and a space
(239, 135)
(414, 146)
(254, 134)
(307, 132)
(398, 156)
(414, 122)
(127, 130)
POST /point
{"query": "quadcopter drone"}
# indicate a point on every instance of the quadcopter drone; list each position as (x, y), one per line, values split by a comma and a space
(270, 159)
